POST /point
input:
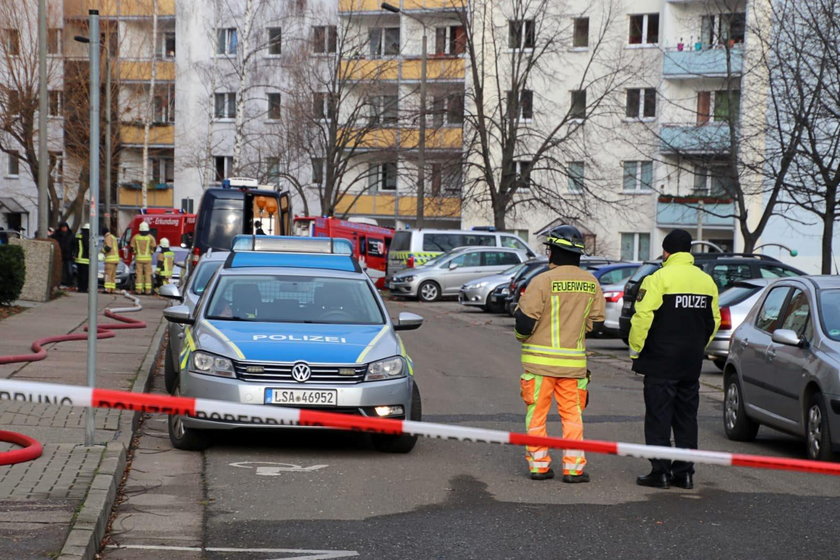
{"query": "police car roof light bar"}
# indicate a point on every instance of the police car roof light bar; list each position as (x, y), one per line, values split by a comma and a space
(291, 244)
(240, 183)
(257, 259)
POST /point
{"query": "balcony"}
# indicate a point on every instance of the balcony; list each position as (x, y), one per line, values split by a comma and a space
(405, 138)
(75, 9)
(162, 136)
(706, 63)
(437, 69)
(394, 205)
(140, 70)
(360, 6)
(714, 213)
(157, 195)
(710, 138)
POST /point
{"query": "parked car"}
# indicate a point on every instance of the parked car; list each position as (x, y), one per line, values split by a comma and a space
(783, 365)
(444, 275)
(735, 302)
(477, 293)
(724, 268)
(612, 278)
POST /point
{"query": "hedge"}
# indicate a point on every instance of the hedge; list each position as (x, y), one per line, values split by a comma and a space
(12, 273)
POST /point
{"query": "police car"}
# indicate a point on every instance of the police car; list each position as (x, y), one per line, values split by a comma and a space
(293, 321)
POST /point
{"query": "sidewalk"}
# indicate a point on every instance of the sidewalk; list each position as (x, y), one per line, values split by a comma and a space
(57, 506)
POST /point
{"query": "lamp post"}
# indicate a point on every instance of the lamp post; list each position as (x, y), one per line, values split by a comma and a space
(421, 142)
(43, 154)
(792, 252)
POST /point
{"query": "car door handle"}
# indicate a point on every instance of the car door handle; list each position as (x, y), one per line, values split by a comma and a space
(771, 354)
(744, 343)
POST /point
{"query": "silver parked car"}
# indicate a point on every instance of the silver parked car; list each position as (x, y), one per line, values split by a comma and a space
(444, 275)
(477, 293)
(783, 369)
(735, 302)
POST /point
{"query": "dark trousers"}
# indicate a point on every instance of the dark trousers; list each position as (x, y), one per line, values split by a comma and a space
(67, 272)
(82, 277)
(671, 405)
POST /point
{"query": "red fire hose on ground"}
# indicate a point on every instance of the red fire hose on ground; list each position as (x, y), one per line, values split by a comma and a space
(31, 448)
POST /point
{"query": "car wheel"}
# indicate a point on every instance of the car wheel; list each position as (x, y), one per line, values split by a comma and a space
(818, 437)
(170, 374)
(405, 443)
(736, 423)
(428, 291)
(182, 437)
(719, 363)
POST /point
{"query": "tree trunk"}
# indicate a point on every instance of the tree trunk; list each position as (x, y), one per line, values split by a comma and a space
(827, 235)
(499, 213)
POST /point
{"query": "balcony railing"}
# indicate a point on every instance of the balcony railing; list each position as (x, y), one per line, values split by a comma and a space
(437, 69)
(140, 70)
(392, 205)
(674, 211)
(706, 63)
(709, 138)
(357, 6)
(159, 135)
(407, 139)
(118, 8)
(157, 195)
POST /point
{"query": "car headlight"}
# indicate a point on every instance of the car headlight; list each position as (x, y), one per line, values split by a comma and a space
(404, 279)
(476, 286)
(209, 364)
(389, 368)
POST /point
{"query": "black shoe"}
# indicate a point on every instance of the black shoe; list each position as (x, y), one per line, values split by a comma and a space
(576, 478)
(654, 480)
(685, 480)
(542, 475)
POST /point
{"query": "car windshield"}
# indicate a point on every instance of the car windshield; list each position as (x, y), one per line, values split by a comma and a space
(203, 274)
(643, 271)
(736, 294)
(269, 298)
(830, 313)
(512, 271)
(225, 222)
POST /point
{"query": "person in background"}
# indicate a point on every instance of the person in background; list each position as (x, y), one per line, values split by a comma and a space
(165, 263)
(64, 237)
(82, 258)
(143, 245)
(110, 249)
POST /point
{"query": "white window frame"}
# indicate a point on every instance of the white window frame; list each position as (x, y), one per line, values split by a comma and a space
(524, 182)
(574, 33)
(709, 177)
(318, 166)
(58, 96)
(329, 45)
(522, 35)
(376, 107)
(228, 112)
(159, 166)
(640, 110)
(58, 33)
(572, 103)
(227, 41)
(56, 162)
(268, 98)
(448, 40)
(638, 186)
(227, 167)
(377, 178)
(645, 43)
(637, 236)
(13, 165)
(378, 51)
(269, 43)
(326, 109)
(572, 185)
(164, 53)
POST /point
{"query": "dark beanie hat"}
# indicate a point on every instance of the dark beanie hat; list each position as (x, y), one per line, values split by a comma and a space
(678, 241)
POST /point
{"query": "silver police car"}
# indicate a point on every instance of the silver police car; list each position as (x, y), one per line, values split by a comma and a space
(294, 322)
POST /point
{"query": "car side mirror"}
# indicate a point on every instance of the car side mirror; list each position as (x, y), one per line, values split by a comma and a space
(170, 291)
(408, 322)
(787, 337)
(179, 314)
(453, 265)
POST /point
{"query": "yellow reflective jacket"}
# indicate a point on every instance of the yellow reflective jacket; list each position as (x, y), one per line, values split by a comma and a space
(565, 301)
(110, 249)
(143, 246)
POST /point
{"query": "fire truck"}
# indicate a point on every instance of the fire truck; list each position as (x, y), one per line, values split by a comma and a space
(170, 223)
(370, 241)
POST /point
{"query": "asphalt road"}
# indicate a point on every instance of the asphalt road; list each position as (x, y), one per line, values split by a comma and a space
(304, 494)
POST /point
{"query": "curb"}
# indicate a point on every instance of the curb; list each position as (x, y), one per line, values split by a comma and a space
(87, 529)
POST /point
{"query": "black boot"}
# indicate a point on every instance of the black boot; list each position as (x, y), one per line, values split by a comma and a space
(542, 475)
(654, 480)
(683, 480)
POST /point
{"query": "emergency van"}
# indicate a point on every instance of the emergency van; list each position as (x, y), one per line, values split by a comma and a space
(411, 248)
(171, 223)
(370, 241)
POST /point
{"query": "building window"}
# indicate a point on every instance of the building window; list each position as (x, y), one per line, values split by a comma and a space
(635, 246)
(272, 165)
(165, 106)
(641, 103)
(167, 45)
(450, 40)
(722, 28)
(322, 107)
(55, 98)
(446, 178)
(522, 34)
(578, 108)
(222, 166)
(225, 105)
(638, 176)
(57, 166)
(226, 40)
(384, 41)
(576, 172)
(275, 37)
(12, 102)
(383, 176)
(522, 168)
(727, 105)
(383, 109)
(324, 39)
(11, 42)
(581, 35)
(644, 29)
(525, 109)
(448, 110)
(274, 106)
(318, 170)
(163, 170)
(13, 169)
(54, 45)
(712, 181)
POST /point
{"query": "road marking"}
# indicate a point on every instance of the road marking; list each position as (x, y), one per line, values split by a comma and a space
(307, 554)
(268, 468)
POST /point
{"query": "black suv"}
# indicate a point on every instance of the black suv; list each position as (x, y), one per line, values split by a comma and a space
(725, 269)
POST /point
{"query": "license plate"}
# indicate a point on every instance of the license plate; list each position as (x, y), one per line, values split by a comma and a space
(302, 397)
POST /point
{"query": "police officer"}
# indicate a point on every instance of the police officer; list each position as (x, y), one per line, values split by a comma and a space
(165, 263)
(676, 317)
(112, 258)
(143, 245)
(560, 306)
(81, 256)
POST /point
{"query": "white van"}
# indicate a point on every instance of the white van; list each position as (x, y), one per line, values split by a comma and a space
(413, 247)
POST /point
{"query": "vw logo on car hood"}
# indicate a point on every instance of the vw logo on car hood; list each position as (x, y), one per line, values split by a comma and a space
(301, 372)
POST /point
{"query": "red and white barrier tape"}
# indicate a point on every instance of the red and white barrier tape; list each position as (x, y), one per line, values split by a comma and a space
(73, 395)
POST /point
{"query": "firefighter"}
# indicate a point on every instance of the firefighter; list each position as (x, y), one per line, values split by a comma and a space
(676, 317)
(110, 249)
(165, 263)
(560, 306)
(81, 256)
(143, 245)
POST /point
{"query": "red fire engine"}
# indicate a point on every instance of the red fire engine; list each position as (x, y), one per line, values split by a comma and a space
(170, 223)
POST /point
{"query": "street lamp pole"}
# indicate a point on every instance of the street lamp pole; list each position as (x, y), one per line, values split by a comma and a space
(43, 154)
(421, 141)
